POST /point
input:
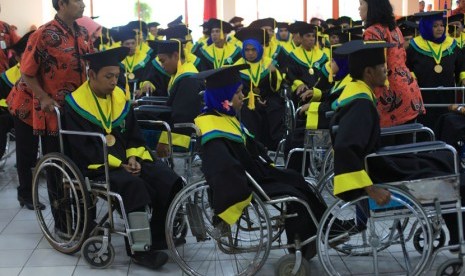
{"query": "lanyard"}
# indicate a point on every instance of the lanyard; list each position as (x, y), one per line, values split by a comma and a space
(130, 66)
(218, 64)
(104, 120)
(310, 61)
(236, 126)
(437, 57)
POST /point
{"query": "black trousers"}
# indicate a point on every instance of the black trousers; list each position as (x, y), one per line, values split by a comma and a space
(26, 156)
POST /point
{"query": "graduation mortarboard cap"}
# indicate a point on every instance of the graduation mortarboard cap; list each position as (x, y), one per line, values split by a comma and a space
(236, 19)
(124, 34)
(294, 27)
(305, 28)
(435, 15)
(153, 24)
(223, 76)
(259, 35)
(111, 57)
(282, 25)
(138, 26)
(331, 21)
(265, 22)
(166, 46)
(343, 35)
(408, 18)
(176, 32)
(355, 33)
(214, 23)
(344, 20)
(364, 54)
(408, 28)
(175, 22)
(456, 18)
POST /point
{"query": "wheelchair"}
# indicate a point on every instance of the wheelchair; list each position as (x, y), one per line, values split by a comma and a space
(68, 220)
(381, 233)
(239, 249)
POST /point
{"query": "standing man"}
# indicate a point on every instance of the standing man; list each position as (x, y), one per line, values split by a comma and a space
(51, 68)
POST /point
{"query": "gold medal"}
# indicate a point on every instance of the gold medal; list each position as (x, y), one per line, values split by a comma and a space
(310, 71)
(131, 75)
(438, 68)
(111, 140)
(256, 91)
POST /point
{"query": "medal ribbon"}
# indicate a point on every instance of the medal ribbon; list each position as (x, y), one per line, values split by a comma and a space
(216, 63)
(129, 67)
(437, 57)
(255, 79)
(310, 61)
(104, 120)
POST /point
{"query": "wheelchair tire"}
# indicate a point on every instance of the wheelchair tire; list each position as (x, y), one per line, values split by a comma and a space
(438, 241)
(208, 250)
(361, 231)
(90, 250)
(285, 264)
(65, 220)
(450, 268)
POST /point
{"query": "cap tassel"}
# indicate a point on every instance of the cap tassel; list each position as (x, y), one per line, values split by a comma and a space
(330, 71)
(251, 97)
(126, 88)
(221, 30)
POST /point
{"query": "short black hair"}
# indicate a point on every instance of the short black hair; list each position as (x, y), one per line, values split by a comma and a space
(55, 4)
(380, 11)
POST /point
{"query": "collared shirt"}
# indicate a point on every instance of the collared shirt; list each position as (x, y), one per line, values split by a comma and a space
(53, 57)
(10, 37)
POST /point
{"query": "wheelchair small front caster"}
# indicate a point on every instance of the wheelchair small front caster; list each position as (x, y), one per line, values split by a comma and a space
(450, 268)
(286, 263)
(96, 253)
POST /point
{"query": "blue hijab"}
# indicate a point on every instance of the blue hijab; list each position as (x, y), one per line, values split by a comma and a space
(426, 28)
(219, 99)
(257, 47)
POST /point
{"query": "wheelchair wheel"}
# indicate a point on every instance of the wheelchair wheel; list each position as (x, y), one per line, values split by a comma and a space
(450, 268)
(438, 241)
(65, 220)
(361, 231)
(90, 251)
(286, 263)
(241, 248)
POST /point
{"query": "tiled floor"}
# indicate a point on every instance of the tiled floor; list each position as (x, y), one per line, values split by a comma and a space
(24, 250)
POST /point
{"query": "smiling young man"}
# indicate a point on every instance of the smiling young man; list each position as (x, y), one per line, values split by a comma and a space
(100, 106)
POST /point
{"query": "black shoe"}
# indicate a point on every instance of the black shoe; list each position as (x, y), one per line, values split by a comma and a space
(29, 205)
(151, 259)
(309, 250)
(162, 245)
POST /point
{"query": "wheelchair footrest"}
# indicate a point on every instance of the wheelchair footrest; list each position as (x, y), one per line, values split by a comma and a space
(196, 221)
(139, 229)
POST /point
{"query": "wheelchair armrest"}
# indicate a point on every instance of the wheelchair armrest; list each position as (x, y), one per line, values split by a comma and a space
(154, 108)
(188, 125)
(407, 128)
(154, 98)
(415, 148)
(329, 114)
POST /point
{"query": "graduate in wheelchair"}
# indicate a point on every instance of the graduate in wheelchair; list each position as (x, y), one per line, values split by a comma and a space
(100, 106)
(355, 135)
(229, 153)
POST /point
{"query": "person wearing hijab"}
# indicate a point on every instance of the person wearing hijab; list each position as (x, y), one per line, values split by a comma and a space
(229, 150)
(399, 101)
(264, 109)
(436, 60)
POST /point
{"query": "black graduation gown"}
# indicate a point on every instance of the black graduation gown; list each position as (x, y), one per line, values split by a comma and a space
(422, 64)
(224, 162)
(156, 75)
(156, 185)
(266, 122)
